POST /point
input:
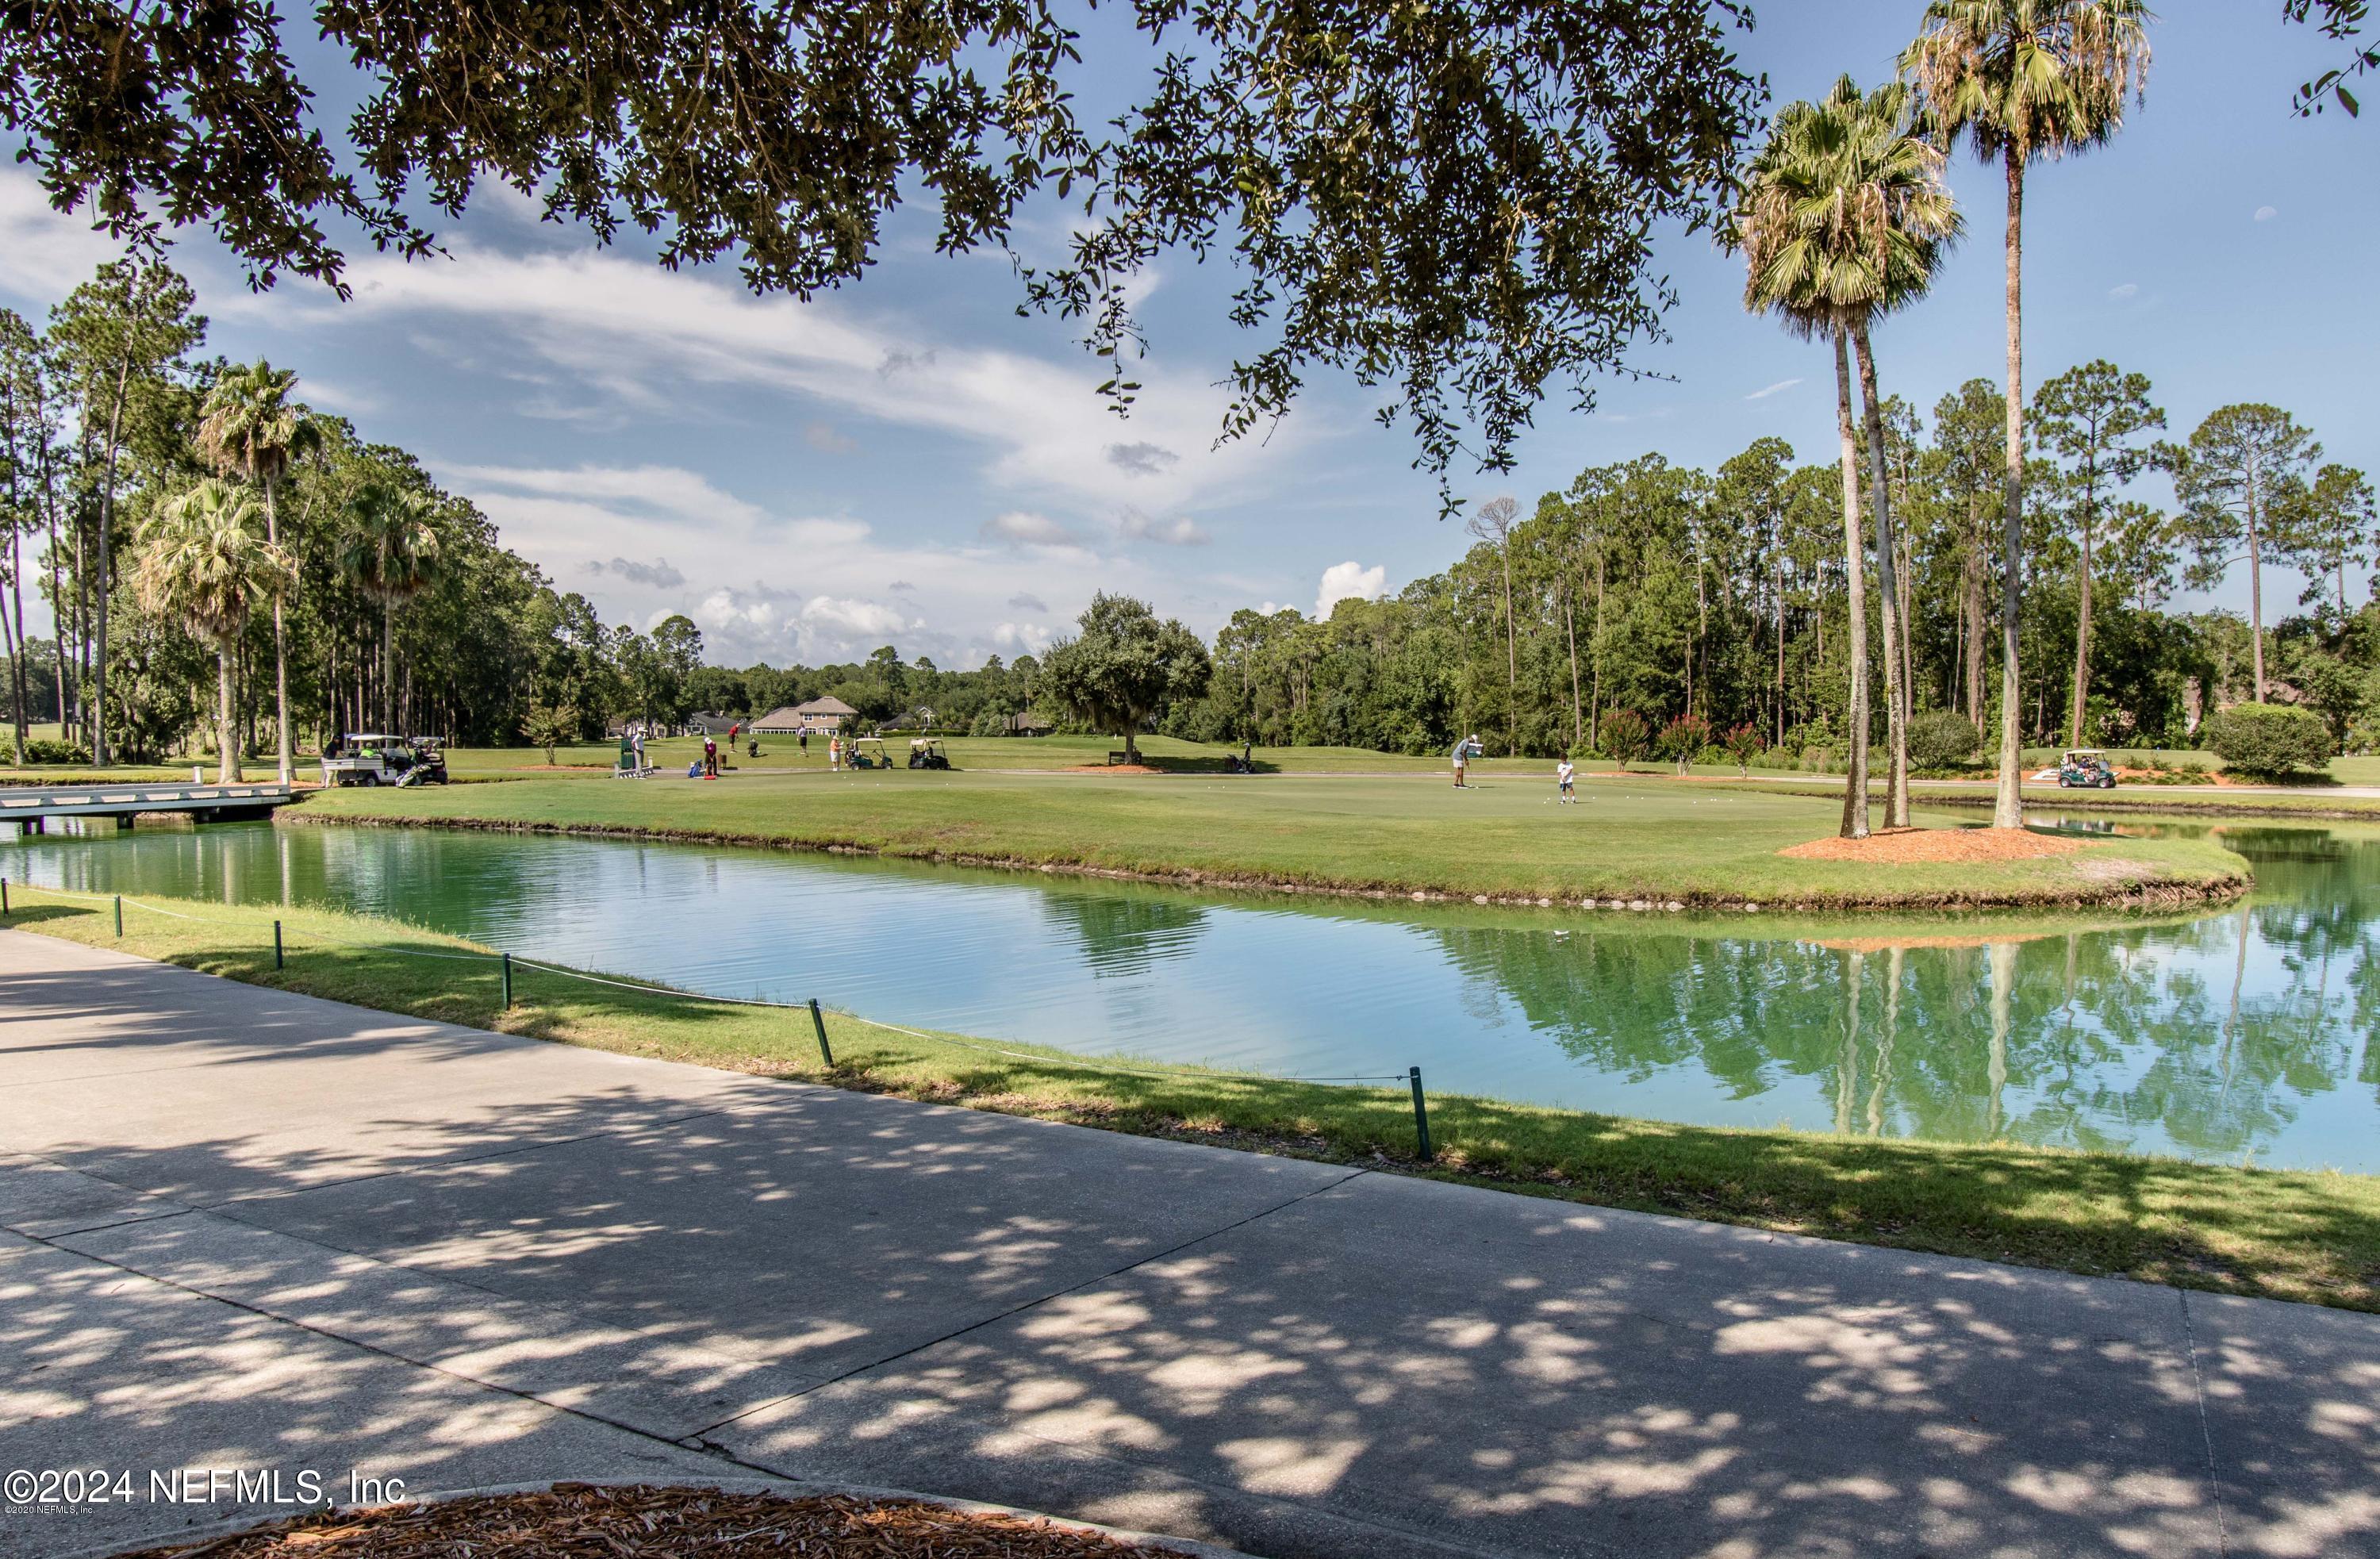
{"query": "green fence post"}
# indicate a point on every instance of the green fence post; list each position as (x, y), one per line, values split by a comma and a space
(1421, 1115)
(277, 945)
(818, 1021)
(508, 982)
(119, 917)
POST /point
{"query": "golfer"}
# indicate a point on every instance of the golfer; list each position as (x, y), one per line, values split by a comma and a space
(1566, 773)
(833, 753)
(1465, 751)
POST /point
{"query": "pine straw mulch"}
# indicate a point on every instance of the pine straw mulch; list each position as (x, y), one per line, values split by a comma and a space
(582, 1521)
(1907, 847)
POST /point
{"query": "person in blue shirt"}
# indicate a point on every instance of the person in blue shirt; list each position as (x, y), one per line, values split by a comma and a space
(1464, 751)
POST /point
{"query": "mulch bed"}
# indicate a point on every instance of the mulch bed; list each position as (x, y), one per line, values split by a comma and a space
(1906, 846)
(582, 1521)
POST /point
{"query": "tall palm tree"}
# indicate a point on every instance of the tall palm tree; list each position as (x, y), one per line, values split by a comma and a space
(389, 550)
(249, 427)
(202, 562)
(1845, 218)
(2019, 80)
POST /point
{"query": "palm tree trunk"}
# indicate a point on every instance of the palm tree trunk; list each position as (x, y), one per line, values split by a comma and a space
(1854, 826)
(226, 753)
(1887, 572)
(388, 666)
(280, 641)
(2007, 805)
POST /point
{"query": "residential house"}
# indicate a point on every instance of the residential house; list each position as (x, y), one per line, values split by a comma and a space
(817, 717)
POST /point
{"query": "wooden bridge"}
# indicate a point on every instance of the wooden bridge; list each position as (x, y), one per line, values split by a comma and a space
(31, 806)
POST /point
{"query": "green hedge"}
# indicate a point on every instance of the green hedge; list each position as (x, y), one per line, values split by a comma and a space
(2269, 739)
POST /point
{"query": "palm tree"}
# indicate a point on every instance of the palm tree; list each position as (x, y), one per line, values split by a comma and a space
(1845, 218)
(202, 563)
(248, 427)
(2019, 80)
(389, 550)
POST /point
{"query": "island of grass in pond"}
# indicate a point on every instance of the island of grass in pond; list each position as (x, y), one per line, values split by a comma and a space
(1505, 839)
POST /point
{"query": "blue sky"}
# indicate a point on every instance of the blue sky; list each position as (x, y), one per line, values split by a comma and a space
(908, 462)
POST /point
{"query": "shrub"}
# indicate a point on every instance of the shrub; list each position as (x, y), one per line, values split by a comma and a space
(44, 749)
(1939, 739)
(1682, 739)
(2269, 739)
(1624, 736)
(1743, 744)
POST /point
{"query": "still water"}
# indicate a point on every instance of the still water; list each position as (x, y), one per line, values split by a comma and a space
(2243, 1033)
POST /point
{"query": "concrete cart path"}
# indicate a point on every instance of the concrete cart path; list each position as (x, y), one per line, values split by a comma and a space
(251, 1229)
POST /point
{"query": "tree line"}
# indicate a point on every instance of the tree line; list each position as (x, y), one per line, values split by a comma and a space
(216, 554)
(1665, 593)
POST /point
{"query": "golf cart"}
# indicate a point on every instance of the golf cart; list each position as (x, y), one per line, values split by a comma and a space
(374, 757)
(866, 752)
(2086, 768)
(926, 753)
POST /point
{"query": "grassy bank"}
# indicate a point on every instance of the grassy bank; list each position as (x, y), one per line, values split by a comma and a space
(2283, 1235)
(1653, 840)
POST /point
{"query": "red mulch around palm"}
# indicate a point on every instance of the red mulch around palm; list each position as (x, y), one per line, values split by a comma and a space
(581, 1521)
(1909, 846)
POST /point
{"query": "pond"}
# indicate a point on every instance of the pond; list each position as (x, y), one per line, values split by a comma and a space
(2240, 1034)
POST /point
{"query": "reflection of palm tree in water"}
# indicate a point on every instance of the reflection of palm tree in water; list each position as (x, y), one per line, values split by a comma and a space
(1847, 1063)
(2003, 965)
(2239, 976)
(1884, 1044)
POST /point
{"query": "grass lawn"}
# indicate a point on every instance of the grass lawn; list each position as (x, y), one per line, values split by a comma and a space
(2281, 1234)
(1652, 839)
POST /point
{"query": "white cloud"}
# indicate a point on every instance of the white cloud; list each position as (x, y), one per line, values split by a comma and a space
(668, 490)
(1778, 388)
(864, 618)
(1348, 580)
(2129, 289)
(48, 253)
(1178, 532)
(1031, 639)
(2265, 214)
(1027, 529)
(613, 331)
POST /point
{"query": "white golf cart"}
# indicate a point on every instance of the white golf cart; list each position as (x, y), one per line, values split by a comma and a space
(374, 758)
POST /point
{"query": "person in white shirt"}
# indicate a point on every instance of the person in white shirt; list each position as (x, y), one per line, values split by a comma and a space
(1567, 772)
